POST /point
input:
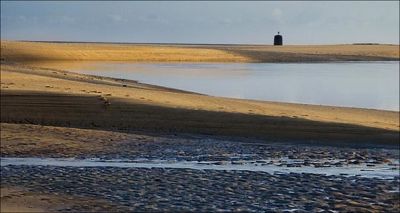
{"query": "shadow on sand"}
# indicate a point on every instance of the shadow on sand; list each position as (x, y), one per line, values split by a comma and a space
(262, 56)
(90, 112)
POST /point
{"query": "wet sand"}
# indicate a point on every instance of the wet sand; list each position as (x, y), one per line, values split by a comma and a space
(50, 112)
(185, 189)
(23, 198)
(11, 201)
(157, 189)
(26, 140)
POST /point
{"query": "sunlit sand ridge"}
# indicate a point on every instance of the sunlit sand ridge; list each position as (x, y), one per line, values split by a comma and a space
(63, 98)
(29, 51)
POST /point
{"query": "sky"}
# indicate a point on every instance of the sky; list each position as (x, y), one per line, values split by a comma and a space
(323, 22)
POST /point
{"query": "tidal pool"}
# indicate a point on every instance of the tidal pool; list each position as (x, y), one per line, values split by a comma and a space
(384, 171)
(352, 84)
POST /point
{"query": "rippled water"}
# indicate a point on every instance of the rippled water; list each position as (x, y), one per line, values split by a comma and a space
(353, 84)
(378, 171)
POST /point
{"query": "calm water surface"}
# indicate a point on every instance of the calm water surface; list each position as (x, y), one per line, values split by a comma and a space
(379, 171)
(352, 84)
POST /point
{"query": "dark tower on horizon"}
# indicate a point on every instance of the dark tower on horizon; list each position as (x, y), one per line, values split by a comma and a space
(278, 40)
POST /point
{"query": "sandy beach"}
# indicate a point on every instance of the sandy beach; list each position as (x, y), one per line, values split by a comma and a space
(48, 111)
(179, 106)
(35, 93)
(61, 98)
(64, 51)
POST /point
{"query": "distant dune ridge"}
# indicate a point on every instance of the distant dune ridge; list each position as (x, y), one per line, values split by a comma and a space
(33, 93)
(35, 51)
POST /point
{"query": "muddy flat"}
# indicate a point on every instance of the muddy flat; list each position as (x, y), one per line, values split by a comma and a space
(74, 170)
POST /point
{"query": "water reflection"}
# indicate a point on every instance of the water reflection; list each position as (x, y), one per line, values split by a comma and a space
(356, 84)
(384, 171)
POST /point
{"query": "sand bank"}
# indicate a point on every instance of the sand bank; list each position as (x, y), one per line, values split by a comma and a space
(60, 98)
(34, 93)
(21, 199)
(28, 51)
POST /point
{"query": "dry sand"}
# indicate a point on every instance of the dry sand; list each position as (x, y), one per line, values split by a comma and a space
(45, 51)
(38, 94)
(60, 98)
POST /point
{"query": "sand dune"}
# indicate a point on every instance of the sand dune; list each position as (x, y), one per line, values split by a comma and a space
(29, 51)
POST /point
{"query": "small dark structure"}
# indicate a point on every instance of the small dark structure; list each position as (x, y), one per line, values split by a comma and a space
(278, 39)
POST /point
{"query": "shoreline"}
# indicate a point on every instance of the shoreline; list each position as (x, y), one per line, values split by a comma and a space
(52, 112)
(116, 184)
(198, 120)
(63, 98)
(45, 66)
(118, 81)
(26, 51)
(199, 44)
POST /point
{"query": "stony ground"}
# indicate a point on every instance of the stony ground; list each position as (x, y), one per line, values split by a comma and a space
(113, 145)
(142, 189)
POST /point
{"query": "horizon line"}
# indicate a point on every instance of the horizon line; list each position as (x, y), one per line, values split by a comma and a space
(202, 44)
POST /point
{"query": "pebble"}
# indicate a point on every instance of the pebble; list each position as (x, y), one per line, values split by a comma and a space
(177, 190)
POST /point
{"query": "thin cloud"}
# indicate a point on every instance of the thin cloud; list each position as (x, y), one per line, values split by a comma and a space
(116, 18)
(203, 22)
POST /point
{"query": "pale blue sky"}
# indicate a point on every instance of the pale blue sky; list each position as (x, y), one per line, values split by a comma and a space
(202, 22)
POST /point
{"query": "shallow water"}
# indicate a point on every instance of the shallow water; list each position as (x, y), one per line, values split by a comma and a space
(352, 84)
(383, 171)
